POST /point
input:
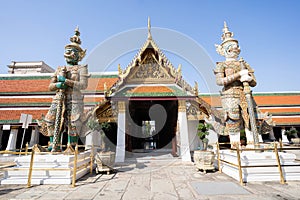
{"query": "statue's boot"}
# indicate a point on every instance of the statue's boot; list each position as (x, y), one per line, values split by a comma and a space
(234, 139)
(50, 144)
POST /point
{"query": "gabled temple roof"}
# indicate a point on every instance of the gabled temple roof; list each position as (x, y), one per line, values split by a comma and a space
(150, 66)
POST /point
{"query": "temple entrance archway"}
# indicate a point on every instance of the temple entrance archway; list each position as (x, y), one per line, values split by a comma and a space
(151, 125)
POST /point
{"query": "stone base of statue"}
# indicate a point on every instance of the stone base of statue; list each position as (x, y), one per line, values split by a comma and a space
(265, 165)
(204, 160)
(47, 169)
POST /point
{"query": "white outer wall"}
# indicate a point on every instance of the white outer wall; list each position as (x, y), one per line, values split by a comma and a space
(194, 141)
(120, 149)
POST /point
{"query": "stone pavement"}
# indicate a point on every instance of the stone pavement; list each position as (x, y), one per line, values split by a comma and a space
(155, 177)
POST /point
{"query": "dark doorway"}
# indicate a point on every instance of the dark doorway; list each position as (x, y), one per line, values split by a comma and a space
(27, 137)
(151, 124)
(4, 139)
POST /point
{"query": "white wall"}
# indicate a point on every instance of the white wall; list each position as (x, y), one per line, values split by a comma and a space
(193, 138)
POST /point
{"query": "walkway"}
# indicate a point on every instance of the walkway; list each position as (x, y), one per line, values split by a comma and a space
(155, 177)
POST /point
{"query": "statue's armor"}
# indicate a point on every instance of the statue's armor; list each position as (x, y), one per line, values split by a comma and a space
(71, 100)
(232, 96)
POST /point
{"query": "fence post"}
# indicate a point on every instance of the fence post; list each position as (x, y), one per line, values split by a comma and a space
(92, 159)
(75, 165)
(30, 169)
(239, 165)
(280, 143)
(26, 149)
(279, 165)
(218, 157)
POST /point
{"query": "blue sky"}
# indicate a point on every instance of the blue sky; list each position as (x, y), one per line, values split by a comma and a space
(268, 32)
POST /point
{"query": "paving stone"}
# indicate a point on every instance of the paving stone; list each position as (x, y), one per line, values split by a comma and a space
(138, 187)
(153, 180)
(54, 195)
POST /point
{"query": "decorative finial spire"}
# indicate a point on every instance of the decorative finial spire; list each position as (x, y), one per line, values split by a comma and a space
(76, 42)
(229, 48)
(195, 89)
(227, 35)
(179, 69)
(149, 29)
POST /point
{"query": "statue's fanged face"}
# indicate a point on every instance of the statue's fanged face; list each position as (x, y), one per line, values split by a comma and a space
(71, 55)
(231, 50)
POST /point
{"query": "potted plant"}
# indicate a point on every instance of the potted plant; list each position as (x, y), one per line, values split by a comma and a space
(202, 132)
(291, 134)
(204, 160)
(105, 158)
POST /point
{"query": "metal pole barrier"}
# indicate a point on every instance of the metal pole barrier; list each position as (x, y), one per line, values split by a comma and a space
(75, 166)
(26, 149)
(218, 156)
(279, 164)
(92, 159)
(239, 165)
(22, 140)
(30, 169)
(280, 144)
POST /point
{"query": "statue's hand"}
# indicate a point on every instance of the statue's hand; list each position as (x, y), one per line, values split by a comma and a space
(246, 78)
(61, 85)
(61, 78)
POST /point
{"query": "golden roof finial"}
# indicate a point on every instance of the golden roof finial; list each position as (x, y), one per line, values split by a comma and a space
(196, 89)
(119, 69)
(179, 68)
(149, 29)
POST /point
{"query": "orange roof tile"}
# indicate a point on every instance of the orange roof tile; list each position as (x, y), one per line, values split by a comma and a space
(287, 121)
(280, 110)
(15, 114)
(24, 85)
(152, 89)
(97, 84)
(277, 99)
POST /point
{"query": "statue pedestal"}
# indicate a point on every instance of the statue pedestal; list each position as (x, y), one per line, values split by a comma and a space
(260, 159)
(47, 169)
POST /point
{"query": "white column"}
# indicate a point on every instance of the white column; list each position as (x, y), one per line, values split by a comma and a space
(120, 149)
(183, 129)
(34, 139)
(284, 137)
(11, 145)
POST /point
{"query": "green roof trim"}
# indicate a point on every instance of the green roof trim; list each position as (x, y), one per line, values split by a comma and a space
(25, 104)
(14, 121)
(177, 93)
(104, 76)
(277, 94)
(258, 94)
(26, 78)
(49, 77)
(8, 121)
(48, 92)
